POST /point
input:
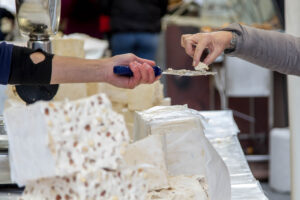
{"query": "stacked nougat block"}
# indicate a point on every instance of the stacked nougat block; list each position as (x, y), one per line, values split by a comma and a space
(188, 153)
(72, 150)
(80, 150)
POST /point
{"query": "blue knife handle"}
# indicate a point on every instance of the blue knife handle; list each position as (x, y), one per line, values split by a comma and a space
(126, 71)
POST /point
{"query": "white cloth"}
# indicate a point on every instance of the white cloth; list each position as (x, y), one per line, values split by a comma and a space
(244, 79)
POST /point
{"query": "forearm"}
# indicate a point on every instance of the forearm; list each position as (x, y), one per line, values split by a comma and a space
(273, 50)
(76, 70)
(21, 65)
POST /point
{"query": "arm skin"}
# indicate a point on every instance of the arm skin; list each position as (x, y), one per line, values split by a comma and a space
(273, 50)
(76, 70)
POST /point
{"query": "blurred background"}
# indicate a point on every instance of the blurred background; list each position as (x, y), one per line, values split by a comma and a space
(152, 29)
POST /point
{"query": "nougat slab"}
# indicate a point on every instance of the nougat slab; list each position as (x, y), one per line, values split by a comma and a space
(59, 138)
(103, 184)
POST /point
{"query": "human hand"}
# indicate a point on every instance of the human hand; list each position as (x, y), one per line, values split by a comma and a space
(141, 68)
(215, 42)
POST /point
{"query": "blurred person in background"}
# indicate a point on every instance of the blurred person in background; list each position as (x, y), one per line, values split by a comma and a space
(6, 24)
(270, 49)
(135, 25)
(81, 16)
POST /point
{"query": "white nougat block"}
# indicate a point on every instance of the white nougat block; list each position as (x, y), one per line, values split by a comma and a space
(187, 150)
(140, 98)
(128, 115)
(101, 184)
(143, 96)
(184, 149)
(148, 155)
(61, 138)
(142, 126)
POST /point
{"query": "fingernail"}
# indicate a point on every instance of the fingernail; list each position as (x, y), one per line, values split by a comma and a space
(194, 63)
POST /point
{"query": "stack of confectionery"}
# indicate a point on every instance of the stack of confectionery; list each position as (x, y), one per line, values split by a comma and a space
(195, 169)
(72, 150)
(80, 150)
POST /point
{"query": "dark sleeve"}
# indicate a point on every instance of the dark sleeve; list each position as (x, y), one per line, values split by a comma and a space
(5, 62)
(270, 49)
(164, 6)
(106, 6)
(24, 71)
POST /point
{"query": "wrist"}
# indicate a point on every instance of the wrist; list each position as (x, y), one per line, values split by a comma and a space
(233, 42)
(229, 37)
(104, 69)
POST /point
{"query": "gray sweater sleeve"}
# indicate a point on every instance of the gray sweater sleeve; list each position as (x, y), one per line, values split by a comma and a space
(273, 50)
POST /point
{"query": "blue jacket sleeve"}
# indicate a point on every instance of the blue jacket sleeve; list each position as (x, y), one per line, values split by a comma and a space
(5, 61)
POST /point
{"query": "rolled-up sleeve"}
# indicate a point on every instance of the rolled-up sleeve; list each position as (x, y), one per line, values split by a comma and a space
(5, 61)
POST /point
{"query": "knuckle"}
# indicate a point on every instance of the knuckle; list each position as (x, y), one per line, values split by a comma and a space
(209, 36)
(150, 70)
(131, 55)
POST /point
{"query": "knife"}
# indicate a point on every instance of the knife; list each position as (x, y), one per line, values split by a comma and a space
(126, 71)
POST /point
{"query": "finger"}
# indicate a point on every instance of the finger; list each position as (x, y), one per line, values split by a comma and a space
(190, 49)
(188, 44)
(212, 56)
(184, 38)
(199, 50)
(149, 62)
(151, 75)
(181, 41)
(145, 73)
(134, 66)
(136, 79)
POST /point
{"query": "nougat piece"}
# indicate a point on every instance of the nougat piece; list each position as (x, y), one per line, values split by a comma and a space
(102, 184)
(59, 138)
(202, 67)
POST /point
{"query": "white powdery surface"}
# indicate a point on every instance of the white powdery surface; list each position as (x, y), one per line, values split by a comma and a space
(62, 138)
(182, 187)
(98, 185)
